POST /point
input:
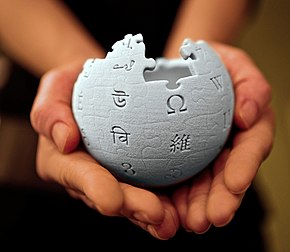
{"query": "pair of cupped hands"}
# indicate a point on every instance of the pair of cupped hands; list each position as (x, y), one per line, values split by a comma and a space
(209, 198)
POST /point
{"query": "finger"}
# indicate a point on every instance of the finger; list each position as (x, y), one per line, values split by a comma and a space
(168, 228)
(80, 196)
(51, 113)
(191, 203)
(250, 148)
(81, 173)
(170, 223)
(180, 200)
(141, 205)
(252, 91)
(222, 204)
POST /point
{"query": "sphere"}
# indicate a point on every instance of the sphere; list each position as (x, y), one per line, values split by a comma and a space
(154, 122)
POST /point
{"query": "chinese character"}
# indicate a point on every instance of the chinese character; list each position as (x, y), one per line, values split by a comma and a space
(180, 143)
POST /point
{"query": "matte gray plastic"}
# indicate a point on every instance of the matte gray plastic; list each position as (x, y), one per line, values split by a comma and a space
(154, 123)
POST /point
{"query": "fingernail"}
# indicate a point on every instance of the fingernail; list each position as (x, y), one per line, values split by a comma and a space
(227, 221)
(60, 133)
(249, 113)
(240, 190)
(203, 231)
(141, 216)
(151, 229)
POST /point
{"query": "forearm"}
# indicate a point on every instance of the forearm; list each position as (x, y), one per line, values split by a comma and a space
(43, 34)
(218, 20)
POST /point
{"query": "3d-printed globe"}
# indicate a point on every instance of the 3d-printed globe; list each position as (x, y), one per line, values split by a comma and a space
(154, 123)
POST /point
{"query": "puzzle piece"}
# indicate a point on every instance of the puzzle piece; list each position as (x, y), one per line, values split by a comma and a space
(154, 123)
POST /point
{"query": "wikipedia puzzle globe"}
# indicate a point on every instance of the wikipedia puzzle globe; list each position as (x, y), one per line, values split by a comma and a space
(154, 123)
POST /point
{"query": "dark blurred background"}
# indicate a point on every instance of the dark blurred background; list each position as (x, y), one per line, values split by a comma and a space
(267, 41)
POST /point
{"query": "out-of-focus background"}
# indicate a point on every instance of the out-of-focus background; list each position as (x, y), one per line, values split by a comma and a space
(268, 42)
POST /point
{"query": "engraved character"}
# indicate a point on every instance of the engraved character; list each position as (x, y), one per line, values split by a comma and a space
(119, 98)
(180, 143)
(121, 133)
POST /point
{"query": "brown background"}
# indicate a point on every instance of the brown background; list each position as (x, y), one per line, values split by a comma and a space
(268, 42)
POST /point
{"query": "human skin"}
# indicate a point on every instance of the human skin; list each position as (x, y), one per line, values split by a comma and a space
(57, 52)
(210, 198)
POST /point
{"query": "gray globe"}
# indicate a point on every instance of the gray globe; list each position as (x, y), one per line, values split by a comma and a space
(154, 122)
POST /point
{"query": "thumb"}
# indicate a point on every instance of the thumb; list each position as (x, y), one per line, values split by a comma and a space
(51, 114)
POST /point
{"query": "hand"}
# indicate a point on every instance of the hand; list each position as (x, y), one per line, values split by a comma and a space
(60, 160)
(214, 196)
(210, 198)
